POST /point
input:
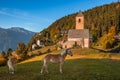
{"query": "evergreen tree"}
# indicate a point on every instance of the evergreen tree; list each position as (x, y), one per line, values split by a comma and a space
(21, 50)
(9, 52)
(3, 54)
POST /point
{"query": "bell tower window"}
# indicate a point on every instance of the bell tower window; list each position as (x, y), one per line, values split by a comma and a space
(79, 20)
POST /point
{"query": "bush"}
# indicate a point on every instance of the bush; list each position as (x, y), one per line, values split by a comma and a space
(2, 61)
(38, 47)
(39, 53)
(48, 50)
(107, 45)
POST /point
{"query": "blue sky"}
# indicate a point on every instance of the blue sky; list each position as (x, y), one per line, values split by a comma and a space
(35, 15)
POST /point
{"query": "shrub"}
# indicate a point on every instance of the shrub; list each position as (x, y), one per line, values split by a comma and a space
(48, 50)
(39, 53)
(2, 61)
(38, 47)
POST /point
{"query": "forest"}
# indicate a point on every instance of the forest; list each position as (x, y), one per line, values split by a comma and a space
(98, 20)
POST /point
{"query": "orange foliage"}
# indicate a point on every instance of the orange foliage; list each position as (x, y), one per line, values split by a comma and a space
(107, 40)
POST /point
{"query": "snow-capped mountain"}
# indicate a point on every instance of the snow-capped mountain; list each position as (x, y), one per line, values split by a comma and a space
(9, 38)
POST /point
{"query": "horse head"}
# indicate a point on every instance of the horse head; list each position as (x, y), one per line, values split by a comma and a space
(69, 52)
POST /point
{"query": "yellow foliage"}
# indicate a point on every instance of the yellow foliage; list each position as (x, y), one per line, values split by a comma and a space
(2, 60)
(107, 40)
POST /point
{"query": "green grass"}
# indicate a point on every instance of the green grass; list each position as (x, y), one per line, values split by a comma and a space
(92, 53)
(79, 69)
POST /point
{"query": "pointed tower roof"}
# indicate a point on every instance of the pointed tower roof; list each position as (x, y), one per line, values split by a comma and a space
(79, 14)
(118, 5)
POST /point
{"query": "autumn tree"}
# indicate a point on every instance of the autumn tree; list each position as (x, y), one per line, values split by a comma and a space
(3, 54)
(107, 41)
(21, 50)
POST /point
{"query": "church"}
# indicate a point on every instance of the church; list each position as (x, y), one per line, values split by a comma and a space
(79, 35)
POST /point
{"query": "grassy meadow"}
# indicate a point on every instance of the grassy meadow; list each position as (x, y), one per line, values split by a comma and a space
(77, 53)
(78, 69)
(85, 64)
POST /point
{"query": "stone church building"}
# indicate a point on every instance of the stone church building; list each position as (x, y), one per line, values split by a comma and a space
(80, 35)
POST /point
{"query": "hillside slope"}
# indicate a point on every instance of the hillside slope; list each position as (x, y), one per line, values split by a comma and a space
(77, 54)
(98, 20)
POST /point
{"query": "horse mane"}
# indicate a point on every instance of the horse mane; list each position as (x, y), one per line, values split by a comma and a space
(63, 52)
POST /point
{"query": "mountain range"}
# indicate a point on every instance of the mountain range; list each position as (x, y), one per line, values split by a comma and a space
(9, 38)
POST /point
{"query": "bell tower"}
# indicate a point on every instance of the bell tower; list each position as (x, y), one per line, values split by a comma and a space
(80, 21)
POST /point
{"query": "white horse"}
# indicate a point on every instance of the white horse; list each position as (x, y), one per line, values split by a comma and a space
(55, 58)
(11, 64)
(12, 61)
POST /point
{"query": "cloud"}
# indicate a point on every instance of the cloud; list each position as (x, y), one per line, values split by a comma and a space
(5, 13)
(29, 21)
(15, 13)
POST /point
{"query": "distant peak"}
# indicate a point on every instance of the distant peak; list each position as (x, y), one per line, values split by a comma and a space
(16, 28)
(19, 29)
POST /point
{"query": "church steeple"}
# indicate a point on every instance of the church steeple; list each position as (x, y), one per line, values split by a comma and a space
(80, 21)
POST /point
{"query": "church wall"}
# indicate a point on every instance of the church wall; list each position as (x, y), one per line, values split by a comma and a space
(80, 41)
(74, 39)
(86, 43)
(68, 44)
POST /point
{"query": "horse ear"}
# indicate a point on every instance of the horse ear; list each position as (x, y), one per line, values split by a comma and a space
(68, 48)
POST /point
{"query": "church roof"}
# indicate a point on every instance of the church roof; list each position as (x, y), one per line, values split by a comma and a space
(79, 14)
(79, 33)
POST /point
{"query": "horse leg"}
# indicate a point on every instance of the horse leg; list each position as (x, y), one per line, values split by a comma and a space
(61, 68)
(42, 69)
(9, 70)
(12, 70)
(46, 68)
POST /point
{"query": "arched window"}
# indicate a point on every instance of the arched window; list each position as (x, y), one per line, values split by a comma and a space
(79, 20)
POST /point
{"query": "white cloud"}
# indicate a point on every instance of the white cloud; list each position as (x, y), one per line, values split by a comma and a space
(15, 13)
(26, 20)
